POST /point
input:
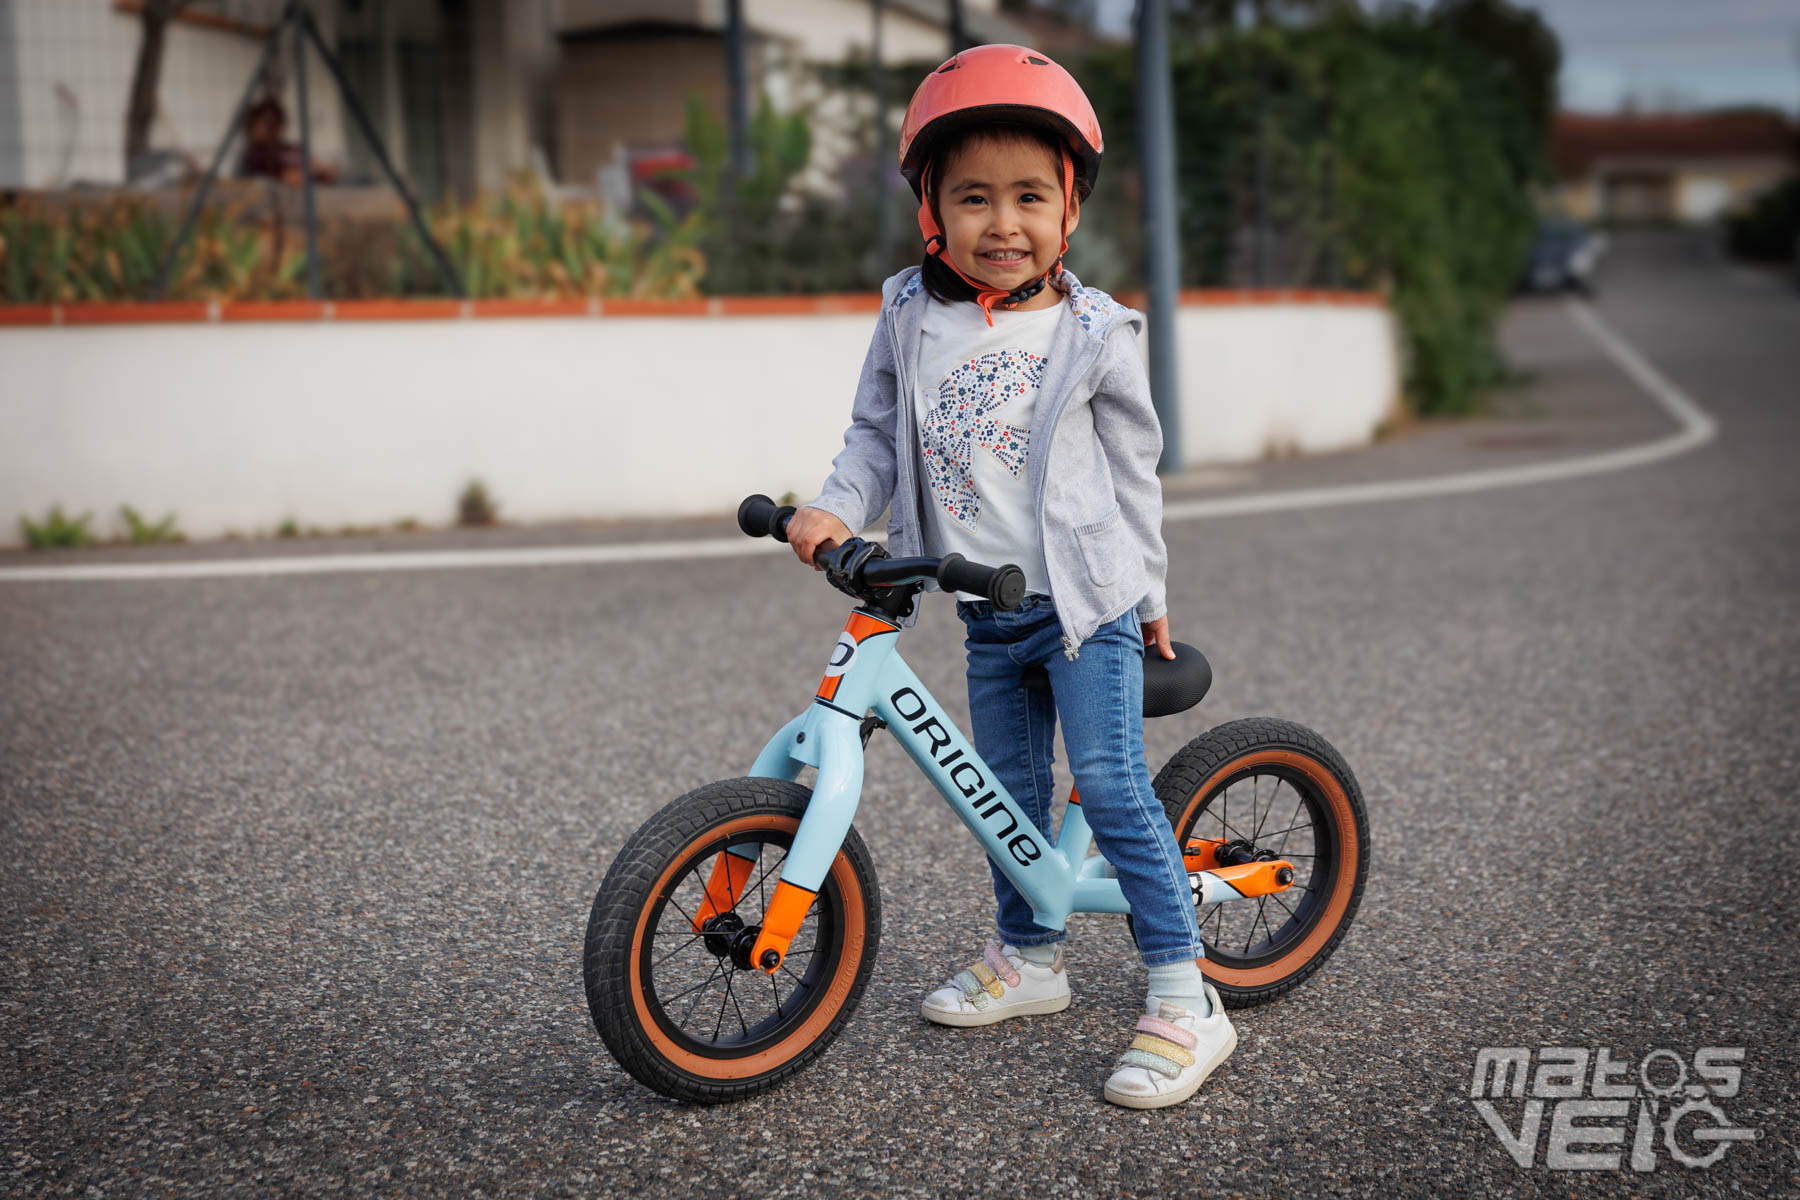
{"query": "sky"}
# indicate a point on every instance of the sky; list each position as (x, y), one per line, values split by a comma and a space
(1665, 53)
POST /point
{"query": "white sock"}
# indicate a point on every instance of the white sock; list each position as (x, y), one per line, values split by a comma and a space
(1037, 956)
(1181, 982)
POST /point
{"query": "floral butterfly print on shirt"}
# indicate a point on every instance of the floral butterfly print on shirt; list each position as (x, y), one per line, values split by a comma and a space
(961, 422)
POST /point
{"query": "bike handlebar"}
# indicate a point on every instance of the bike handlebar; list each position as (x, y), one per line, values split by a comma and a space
(1004, 586)
(759, 516)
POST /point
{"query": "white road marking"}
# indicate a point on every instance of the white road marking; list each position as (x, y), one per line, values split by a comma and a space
(1696, 429)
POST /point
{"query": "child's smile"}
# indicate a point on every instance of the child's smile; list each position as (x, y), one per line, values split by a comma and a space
(1000, 204)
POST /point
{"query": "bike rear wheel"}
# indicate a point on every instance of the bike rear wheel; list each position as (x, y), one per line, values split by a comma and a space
(1281, 788)
(666, 961)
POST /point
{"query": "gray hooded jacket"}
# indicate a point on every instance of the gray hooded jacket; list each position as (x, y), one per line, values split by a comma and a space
(1099, 503)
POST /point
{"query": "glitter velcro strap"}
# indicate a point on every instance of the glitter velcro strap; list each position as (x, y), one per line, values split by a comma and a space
(988, 979)
(1002, 968)
(1166, 1029)
(971, 986)
(1149, 1043)
(1150, 1062)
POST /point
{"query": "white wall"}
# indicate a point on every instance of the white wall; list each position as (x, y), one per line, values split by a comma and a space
(1262, 379)
(238, 426)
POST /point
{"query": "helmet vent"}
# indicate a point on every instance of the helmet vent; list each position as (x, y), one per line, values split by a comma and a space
(1035, 61)
(949, 66)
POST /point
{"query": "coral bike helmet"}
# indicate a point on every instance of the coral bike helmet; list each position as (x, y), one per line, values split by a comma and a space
(998, 83)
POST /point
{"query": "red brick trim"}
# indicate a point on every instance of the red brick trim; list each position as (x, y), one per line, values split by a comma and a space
(132, 314)
(450, 310)
(275, 310)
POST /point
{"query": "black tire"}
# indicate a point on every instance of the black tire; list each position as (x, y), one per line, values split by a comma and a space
(1324, 897)
(642, 897)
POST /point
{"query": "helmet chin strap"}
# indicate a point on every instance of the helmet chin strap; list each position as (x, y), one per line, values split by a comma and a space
(986, 295)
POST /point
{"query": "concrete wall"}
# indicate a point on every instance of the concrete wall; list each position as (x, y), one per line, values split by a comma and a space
(236, 427)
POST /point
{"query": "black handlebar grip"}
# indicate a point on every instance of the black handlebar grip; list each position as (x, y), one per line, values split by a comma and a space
(1005, 586)
(760, 516)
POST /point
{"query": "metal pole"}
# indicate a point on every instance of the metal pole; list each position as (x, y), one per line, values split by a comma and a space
(959, 31)
(452, 283)
(735, 80)
(225, 141)
(1260, 243)
(884, 214)
(1162, 249)
(306, 167)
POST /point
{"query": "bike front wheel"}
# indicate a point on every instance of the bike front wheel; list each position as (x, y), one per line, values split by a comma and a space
(666, 963)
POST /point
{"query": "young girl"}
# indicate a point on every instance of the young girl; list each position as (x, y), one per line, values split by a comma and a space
(1003, 413)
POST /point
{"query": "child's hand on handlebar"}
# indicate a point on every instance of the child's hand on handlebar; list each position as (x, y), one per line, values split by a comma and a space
(810, 529)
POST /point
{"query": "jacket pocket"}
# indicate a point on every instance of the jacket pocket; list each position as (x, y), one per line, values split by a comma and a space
(1104, 547)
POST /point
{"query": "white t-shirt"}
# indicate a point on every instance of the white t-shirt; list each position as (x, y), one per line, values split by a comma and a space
(975, 404)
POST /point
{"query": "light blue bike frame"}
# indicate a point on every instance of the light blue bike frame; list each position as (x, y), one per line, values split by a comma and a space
(866, 674)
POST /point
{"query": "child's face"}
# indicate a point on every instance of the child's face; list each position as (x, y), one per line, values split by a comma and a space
(1000, 203)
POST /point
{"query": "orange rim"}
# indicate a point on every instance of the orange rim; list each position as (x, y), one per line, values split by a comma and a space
(1343, 882)
(833, 987)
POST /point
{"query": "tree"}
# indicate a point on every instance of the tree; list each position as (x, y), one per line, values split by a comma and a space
(1524, 50)
(146, 77)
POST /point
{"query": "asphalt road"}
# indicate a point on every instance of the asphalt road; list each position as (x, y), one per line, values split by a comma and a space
(294, 872)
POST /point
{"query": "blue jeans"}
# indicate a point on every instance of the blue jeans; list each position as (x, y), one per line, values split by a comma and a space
(1100, 695)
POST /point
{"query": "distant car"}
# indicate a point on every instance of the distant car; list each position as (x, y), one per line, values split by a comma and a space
(1563, 256)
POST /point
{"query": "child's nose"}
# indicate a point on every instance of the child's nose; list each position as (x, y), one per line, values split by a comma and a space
(1004, 218)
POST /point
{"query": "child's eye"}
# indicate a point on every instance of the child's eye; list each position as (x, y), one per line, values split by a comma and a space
(974, 199)
(1031, 196)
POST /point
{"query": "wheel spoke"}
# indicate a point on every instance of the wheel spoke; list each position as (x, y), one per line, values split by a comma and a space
(1256, 836)
(712, 975)
(677, 950)
(1252, 933)
(762, 897)
(695, 1002)
(734, 1004)
(1291, 828)
(766, 869)
(1276, 897)
(692, 924)
(1228, 827)
(720, 1024)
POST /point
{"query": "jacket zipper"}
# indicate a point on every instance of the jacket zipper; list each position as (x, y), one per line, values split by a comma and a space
(1071, 649)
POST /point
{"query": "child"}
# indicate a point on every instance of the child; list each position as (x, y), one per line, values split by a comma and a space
(1003, 413)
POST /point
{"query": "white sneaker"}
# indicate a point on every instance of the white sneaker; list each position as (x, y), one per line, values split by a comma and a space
(1003, 984)
(1173, 1053)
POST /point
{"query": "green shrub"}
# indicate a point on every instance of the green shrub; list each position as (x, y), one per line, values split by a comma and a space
(1400, 149)
(147, 533)
(57, 530)
(1769, 230)
(475, 506)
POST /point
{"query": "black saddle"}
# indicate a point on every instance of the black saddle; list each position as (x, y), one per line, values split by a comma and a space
(1171, 685)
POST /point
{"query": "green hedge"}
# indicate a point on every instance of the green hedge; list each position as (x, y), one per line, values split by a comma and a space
(1400, 153)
